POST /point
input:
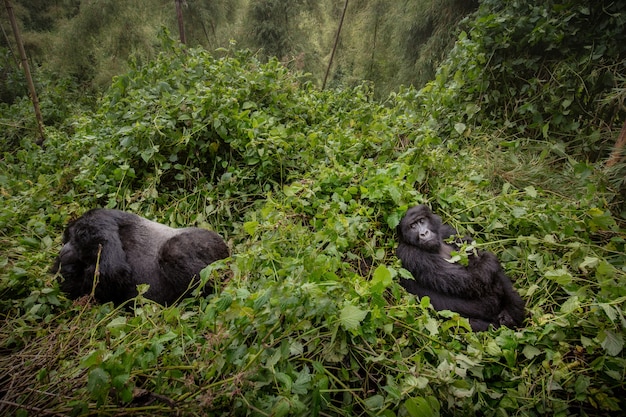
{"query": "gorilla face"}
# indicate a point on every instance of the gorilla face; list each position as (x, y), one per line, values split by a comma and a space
(70, 265)
(420, 228)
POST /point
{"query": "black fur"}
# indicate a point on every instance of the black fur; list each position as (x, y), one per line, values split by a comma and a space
(480, 291)
(134, 251)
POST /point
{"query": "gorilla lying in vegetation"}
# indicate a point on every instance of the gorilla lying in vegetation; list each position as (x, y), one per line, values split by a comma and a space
(480, 291)
(120, 250)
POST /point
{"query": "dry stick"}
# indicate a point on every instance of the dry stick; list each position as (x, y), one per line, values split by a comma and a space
(96, 274)
(332, 54)
(29, 78)
(39, 411)
(616, 155)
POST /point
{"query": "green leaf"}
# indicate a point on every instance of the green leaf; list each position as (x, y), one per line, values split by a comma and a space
(493, 349)
(519, 212)
(94, 358)
(285, 380)
(570, 305)
(460, 128)
(531, 352)
(351, 317)
(610, 311)
(167, 337)
(381, 279)
(375, 402)
(281, 408)
(302, 384)
(531, 191)
(560, 276)
(582, 385)
(600, 219)
(393, 220)
(98, 383)
(223, 302)
(589, 262)
(422, 407)
(251, 227)
(120, 381)
(612, 342)
(117, 322)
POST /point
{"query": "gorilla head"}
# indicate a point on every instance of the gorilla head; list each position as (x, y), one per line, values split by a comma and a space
(116, 251)
(423, 229)
(480, 291)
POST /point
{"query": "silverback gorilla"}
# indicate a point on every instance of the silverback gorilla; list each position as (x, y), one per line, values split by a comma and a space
(134, 251)
(480, 291)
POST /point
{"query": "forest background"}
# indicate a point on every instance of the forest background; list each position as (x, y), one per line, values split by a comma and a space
(386, 42)
(505, 117)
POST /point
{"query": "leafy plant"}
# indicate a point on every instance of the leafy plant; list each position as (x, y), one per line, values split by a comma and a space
(307, 187)
(534, 71)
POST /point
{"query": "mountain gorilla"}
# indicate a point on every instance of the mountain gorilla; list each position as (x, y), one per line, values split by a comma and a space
(480, 291)
(121, 250)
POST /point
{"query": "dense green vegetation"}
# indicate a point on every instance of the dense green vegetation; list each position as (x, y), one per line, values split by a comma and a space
(507, 143)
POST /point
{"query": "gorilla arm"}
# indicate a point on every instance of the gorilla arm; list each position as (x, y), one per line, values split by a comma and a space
(481, 312)
(512, 306)
(434, 273)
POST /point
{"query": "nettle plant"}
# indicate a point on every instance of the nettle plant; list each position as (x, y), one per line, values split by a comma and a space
(189, 121)
(540, 71)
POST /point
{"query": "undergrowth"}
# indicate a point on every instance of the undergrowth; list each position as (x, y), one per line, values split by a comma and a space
(307, 317)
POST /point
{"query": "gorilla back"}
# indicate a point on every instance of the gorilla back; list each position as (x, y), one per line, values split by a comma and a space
(127, 250)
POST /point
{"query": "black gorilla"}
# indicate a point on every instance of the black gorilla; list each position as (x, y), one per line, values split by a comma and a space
(133, 251)
(480, 291)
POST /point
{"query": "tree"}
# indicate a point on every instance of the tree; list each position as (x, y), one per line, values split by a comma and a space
(26, 67)
(332, 55)
(179, 18)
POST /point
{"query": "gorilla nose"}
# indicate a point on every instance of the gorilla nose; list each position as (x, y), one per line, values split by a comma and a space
(65, 249)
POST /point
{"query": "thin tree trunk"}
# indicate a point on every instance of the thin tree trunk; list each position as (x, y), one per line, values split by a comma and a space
(616, 155)
(179, 17)
(26, 67)
(374, 45)
(332, 54)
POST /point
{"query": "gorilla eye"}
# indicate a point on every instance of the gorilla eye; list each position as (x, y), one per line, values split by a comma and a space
(414, 225)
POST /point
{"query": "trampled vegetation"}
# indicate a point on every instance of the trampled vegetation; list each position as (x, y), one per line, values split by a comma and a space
(307, 187)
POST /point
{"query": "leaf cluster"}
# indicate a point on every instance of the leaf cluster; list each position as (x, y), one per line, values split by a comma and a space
(535, 71)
